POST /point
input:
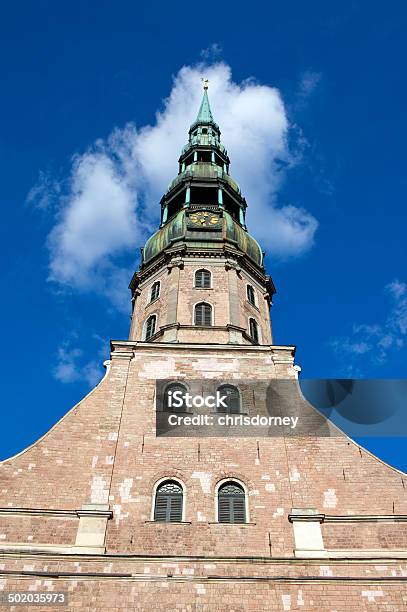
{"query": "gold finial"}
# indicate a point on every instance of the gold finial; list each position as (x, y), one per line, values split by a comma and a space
(205, 83)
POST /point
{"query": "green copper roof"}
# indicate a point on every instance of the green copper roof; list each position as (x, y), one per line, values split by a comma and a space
(204, 116)
(176, 231)
(171, 232)
(204, 113)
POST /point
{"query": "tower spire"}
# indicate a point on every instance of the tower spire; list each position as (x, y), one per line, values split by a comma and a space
(205, 113)
(202, 221)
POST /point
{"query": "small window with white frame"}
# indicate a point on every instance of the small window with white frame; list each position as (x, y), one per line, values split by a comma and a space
(203, 279)
(254, 330)
(155, 291)
(251, 295)
(203, 314)
(150, 327)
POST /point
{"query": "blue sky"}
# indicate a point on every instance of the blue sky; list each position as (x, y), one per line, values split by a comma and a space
(73, 72)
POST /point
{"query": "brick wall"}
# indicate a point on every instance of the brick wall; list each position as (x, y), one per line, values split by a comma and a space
(209, 585)
(221, 295)
(104, 451)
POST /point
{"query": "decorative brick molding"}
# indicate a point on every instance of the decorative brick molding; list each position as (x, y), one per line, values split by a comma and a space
(308, 535)
(176, 262)
(91, 531)
(299, 515)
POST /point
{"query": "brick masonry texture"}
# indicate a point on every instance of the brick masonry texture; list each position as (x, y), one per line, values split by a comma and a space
(104, 451)
(222, 296)
(326, 520)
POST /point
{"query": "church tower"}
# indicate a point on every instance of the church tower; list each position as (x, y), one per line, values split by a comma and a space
(202, 277)
(117, 517)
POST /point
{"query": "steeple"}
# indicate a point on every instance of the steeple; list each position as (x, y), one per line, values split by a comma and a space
(203, 178)
(202, 276)
(205, 113)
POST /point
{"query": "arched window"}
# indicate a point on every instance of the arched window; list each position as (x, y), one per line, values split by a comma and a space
(232, 399)
(203, 314)
(150, 327)
(254, 330)
(155, 291)
(168, 502)
(231, 503)
(251, 295)
(203, 279)
(171, 403)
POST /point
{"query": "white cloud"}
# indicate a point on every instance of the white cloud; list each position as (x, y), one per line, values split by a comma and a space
(308, 83)
(397, 289)
(374, 342)
(212, 52)
(398, 318)
(66, 369)
(44, 191)
(72, 367)
(97, 222)
(112, 200)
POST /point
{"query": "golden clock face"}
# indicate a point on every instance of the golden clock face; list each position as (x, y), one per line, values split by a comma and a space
(204, 219)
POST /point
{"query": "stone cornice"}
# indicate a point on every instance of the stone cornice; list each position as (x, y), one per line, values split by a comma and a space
(130, 345)
(126, 355)
(184, 251)
(299, 579)
(365, 518)
(349, 518)
(57, 513)
(389, 556)
(207, 328)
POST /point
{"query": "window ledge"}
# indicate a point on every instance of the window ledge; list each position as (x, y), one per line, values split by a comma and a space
(169, 522)
(204, 288)
(152, 302)
(234, 524)
(253, 305)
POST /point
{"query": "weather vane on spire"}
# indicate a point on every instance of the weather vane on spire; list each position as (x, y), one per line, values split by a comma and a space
(205, 83)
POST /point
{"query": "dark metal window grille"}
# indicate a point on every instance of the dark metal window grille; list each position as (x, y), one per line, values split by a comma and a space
(203, 279)
(231, 503)
(254, 330)
(203, 314)
(174, 387)
(232, 399)
(155, 291)
(168, 503)
(250, 295)
(150, 326)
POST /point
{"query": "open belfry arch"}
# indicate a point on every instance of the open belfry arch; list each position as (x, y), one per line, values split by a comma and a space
(121, 519)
